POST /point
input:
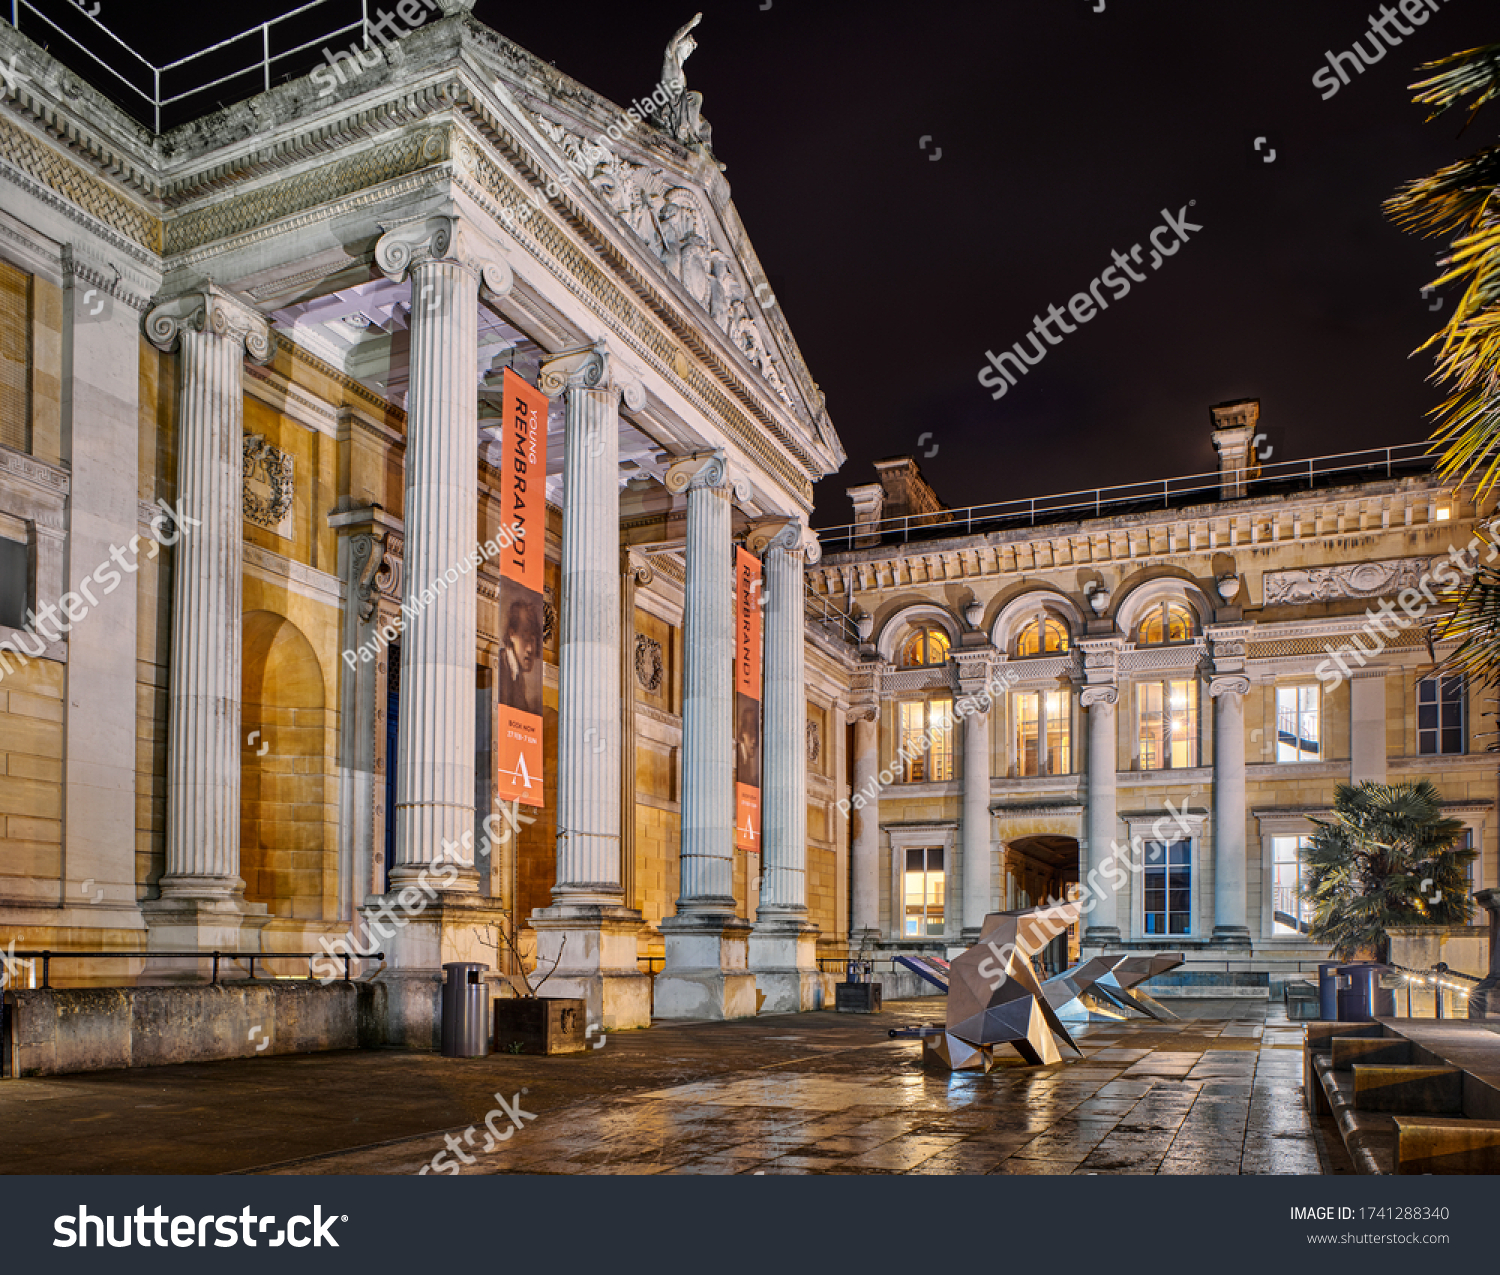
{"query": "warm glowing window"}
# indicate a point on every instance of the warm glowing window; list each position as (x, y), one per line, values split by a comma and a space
(1043, 737)
(926, 733)
(1043, 636)
(1298, 725)
(1168, 724)
(923, 888)
(1167, 887)
(1166, 622)
(1290, 912)
(925, 647)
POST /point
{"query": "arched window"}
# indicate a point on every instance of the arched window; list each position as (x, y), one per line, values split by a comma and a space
(1043, 636)
(1166, 622)
(927, 645)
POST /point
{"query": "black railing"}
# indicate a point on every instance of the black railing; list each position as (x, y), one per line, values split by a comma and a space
(47, 956)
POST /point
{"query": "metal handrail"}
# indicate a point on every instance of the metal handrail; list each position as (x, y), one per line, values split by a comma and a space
(47, 956)
(1097, 499)
(264, 63)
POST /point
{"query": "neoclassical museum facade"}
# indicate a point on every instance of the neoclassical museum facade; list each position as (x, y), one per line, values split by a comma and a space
(259, 491)
(1183, 685)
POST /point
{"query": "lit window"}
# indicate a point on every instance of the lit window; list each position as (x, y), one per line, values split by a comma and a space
(14, 593)
(1440, 715)
(925, 647)
(1290, 912)
(1168, 724)
(924, 892)
(1297, 723)
(1444, 513)
(1167, 887)
(1043, 636)
(1167, 622)
(926, 740)
(1042, 732)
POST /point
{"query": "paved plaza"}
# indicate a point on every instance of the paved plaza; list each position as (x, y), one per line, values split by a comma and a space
(810, 1093)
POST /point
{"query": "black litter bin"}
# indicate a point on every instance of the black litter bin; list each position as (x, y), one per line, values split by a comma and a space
(463, 1010)
(1361, 997)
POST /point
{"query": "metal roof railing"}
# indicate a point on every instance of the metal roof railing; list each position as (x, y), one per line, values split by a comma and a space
(156, 98)
(1158, 493)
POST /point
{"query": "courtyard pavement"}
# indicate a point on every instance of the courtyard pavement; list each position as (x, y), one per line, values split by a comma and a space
(1220, 1093)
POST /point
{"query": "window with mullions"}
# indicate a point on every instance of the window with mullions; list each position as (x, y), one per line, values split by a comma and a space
(923, 887)
(1165, 622)
(1298, 723)
(1043, 636)
(927, 646)
(1290, 912)
(1440, 715)
(1167, 887)
(1042, 732)
(926, 734)
(1167, 722)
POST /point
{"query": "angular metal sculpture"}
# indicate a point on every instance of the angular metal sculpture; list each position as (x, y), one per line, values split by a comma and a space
(994, 997)
(1101, 987)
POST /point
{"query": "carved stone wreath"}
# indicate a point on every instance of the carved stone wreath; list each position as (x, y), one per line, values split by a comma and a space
(267, 485)
(814, 743)
(549, 615)
(648, 663)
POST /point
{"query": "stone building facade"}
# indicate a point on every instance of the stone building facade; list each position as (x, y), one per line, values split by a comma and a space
(252, 373)
(1187, 677)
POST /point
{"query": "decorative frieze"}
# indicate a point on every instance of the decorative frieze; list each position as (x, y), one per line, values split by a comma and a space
(1349, 580)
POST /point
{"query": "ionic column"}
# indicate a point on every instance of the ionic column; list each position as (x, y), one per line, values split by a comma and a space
(445, 263)
(976, 822)
(213, 332)
(1228, 694)
(1103, 923)
(707, 867)
(864, 830)
(706, 973)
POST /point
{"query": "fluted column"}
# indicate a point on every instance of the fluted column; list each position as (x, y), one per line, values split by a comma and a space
(864, 831)
(977, 878)
(588, 747)
(444, 262)
(1230, 910)
(787, 547)
(707, 866)
(1103, 926)
(213, 332)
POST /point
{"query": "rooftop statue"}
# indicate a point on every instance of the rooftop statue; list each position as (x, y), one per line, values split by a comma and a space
(681, 116)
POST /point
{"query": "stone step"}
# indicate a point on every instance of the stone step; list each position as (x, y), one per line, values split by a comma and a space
(1436, 1144)
(1401, 1090)
(1376, 1050)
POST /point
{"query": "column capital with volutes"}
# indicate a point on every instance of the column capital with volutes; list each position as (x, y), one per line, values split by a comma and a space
(441, 237)
(707, 471)
(789, 535)
(210, 309)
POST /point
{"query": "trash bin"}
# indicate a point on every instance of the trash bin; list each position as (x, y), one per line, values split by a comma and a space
(1328, 995)
(463, 1010)
(1360, 996)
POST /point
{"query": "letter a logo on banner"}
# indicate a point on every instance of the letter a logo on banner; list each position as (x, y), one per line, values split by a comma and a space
(518, 725)
(747, 643)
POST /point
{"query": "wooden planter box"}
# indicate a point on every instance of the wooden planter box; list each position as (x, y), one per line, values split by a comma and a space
(857, 998)
(544, 1025)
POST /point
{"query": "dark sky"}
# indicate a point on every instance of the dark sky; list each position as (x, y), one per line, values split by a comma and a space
(1064, 133)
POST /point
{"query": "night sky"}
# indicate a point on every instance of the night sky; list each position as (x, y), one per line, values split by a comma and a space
(1063, 134)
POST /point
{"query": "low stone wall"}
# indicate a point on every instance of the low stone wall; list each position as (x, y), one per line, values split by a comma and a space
(1182, 984)
(54, 1032)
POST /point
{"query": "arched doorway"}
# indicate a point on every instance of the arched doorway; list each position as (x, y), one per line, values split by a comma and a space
(1039, 870)
(287, 814)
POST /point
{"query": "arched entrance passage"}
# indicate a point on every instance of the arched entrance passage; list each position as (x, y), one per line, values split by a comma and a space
(1040, 869)
(286, 811)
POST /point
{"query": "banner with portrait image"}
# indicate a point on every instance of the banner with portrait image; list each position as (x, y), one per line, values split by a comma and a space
(518, 727)
(747, 693)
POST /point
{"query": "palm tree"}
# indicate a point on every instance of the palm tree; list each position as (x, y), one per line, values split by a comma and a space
(1387, 857)
(1462, 203)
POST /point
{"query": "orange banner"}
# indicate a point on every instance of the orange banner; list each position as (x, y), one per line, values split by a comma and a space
(747, 680)
(518, 729)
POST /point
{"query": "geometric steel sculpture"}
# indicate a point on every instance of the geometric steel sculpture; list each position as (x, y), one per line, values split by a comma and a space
(1100, 988)
(932, 969)
(994, 997)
